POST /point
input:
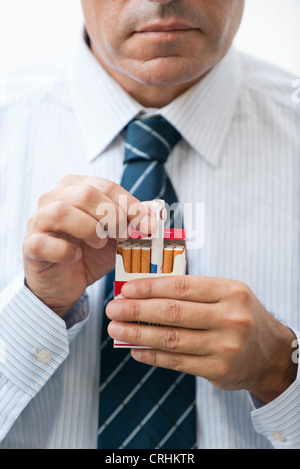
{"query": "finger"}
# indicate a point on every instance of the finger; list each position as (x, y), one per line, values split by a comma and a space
(89, 200)
(62, 218)
(105, 186)
(183, 287)
(46, 248)
(114, 217)
(138, 213)
(171, 339)
(112, 190)
(169, 312)
(196, 365)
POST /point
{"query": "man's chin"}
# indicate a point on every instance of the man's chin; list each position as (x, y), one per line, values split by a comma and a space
(165, 71)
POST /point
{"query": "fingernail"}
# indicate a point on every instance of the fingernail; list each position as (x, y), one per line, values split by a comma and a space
(77, 253)
(115, 330)
(148, 224)
(113, 310)
(128, 290)
(129, 231)
(100, 243)
(136, 354)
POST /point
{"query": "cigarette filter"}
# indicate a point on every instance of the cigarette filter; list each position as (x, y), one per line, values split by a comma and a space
(146, 259)
(168, 259)
(136, 259)
(126, 254)
(178, 250)
(119, 248)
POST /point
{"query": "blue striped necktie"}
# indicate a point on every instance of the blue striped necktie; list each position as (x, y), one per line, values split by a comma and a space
(143, 406)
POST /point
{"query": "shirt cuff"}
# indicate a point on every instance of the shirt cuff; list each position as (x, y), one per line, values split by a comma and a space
(34, 340)
(77, 316)
(279, 420)
(12, 401)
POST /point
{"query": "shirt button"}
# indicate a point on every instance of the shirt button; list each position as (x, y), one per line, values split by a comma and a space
(278, 436)
(44, 356)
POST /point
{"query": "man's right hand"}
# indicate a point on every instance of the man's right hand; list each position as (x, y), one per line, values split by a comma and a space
(67, 248)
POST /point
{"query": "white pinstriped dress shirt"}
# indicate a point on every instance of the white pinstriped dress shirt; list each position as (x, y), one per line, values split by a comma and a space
(239, 158)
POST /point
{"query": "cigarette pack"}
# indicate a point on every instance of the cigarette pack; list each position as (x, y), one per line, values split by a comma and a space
(135, 259)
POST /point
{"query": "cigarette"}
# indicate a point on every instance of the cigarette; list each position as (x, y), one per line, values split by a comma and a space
(168, 260)
(119, 249)
(178, 250)
(146, 260)
(126, 254)
(157, 243)
(136, 259)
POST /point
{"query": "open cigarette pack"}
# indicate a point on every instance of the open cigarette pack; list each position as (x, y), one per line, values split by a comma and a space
(144, 257)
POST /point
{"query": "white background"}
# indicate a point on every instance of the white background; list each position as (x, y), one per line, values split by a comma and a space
(31, 30)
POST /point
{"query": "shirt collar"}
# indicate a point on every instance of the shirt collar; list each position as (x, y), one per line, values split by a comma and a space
(102, 107)
(202, 114)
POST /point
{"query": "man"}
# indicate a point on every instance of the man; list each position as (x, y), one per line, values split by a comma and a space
(232, 323)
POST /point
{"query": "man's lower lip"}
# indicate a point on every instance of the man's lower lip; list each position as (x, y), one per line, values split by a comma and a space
(161, 33)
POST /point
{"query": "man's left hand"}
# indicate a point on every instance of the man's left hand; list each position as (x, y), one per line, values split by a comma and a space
(209, 327)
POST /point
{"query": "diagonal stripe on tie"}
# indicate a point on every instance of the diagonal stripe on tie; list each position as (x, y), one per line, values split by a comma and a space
(145, 174)
(142, 406)
(155, 134)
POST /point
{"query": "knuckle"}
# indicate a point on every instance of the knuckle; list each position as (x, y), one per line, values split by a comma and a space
(221, 371)
(57, 210)
(35, 245)
(244, 294)
(154, 358)
(137, 334)
(65, 253)
(87, 194)
(171, 339)
(45, 198)
(232, 347)
(136, 311)
(173, 312)
(31, 222)
(107, 186)
(145, 288)
(175, 362)
(245, 321)
(240, 291)
(181, 285)
(240, 319)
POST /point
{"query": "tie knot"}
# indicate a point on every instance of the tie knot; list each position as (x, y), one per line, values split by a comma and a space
(151, 139)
